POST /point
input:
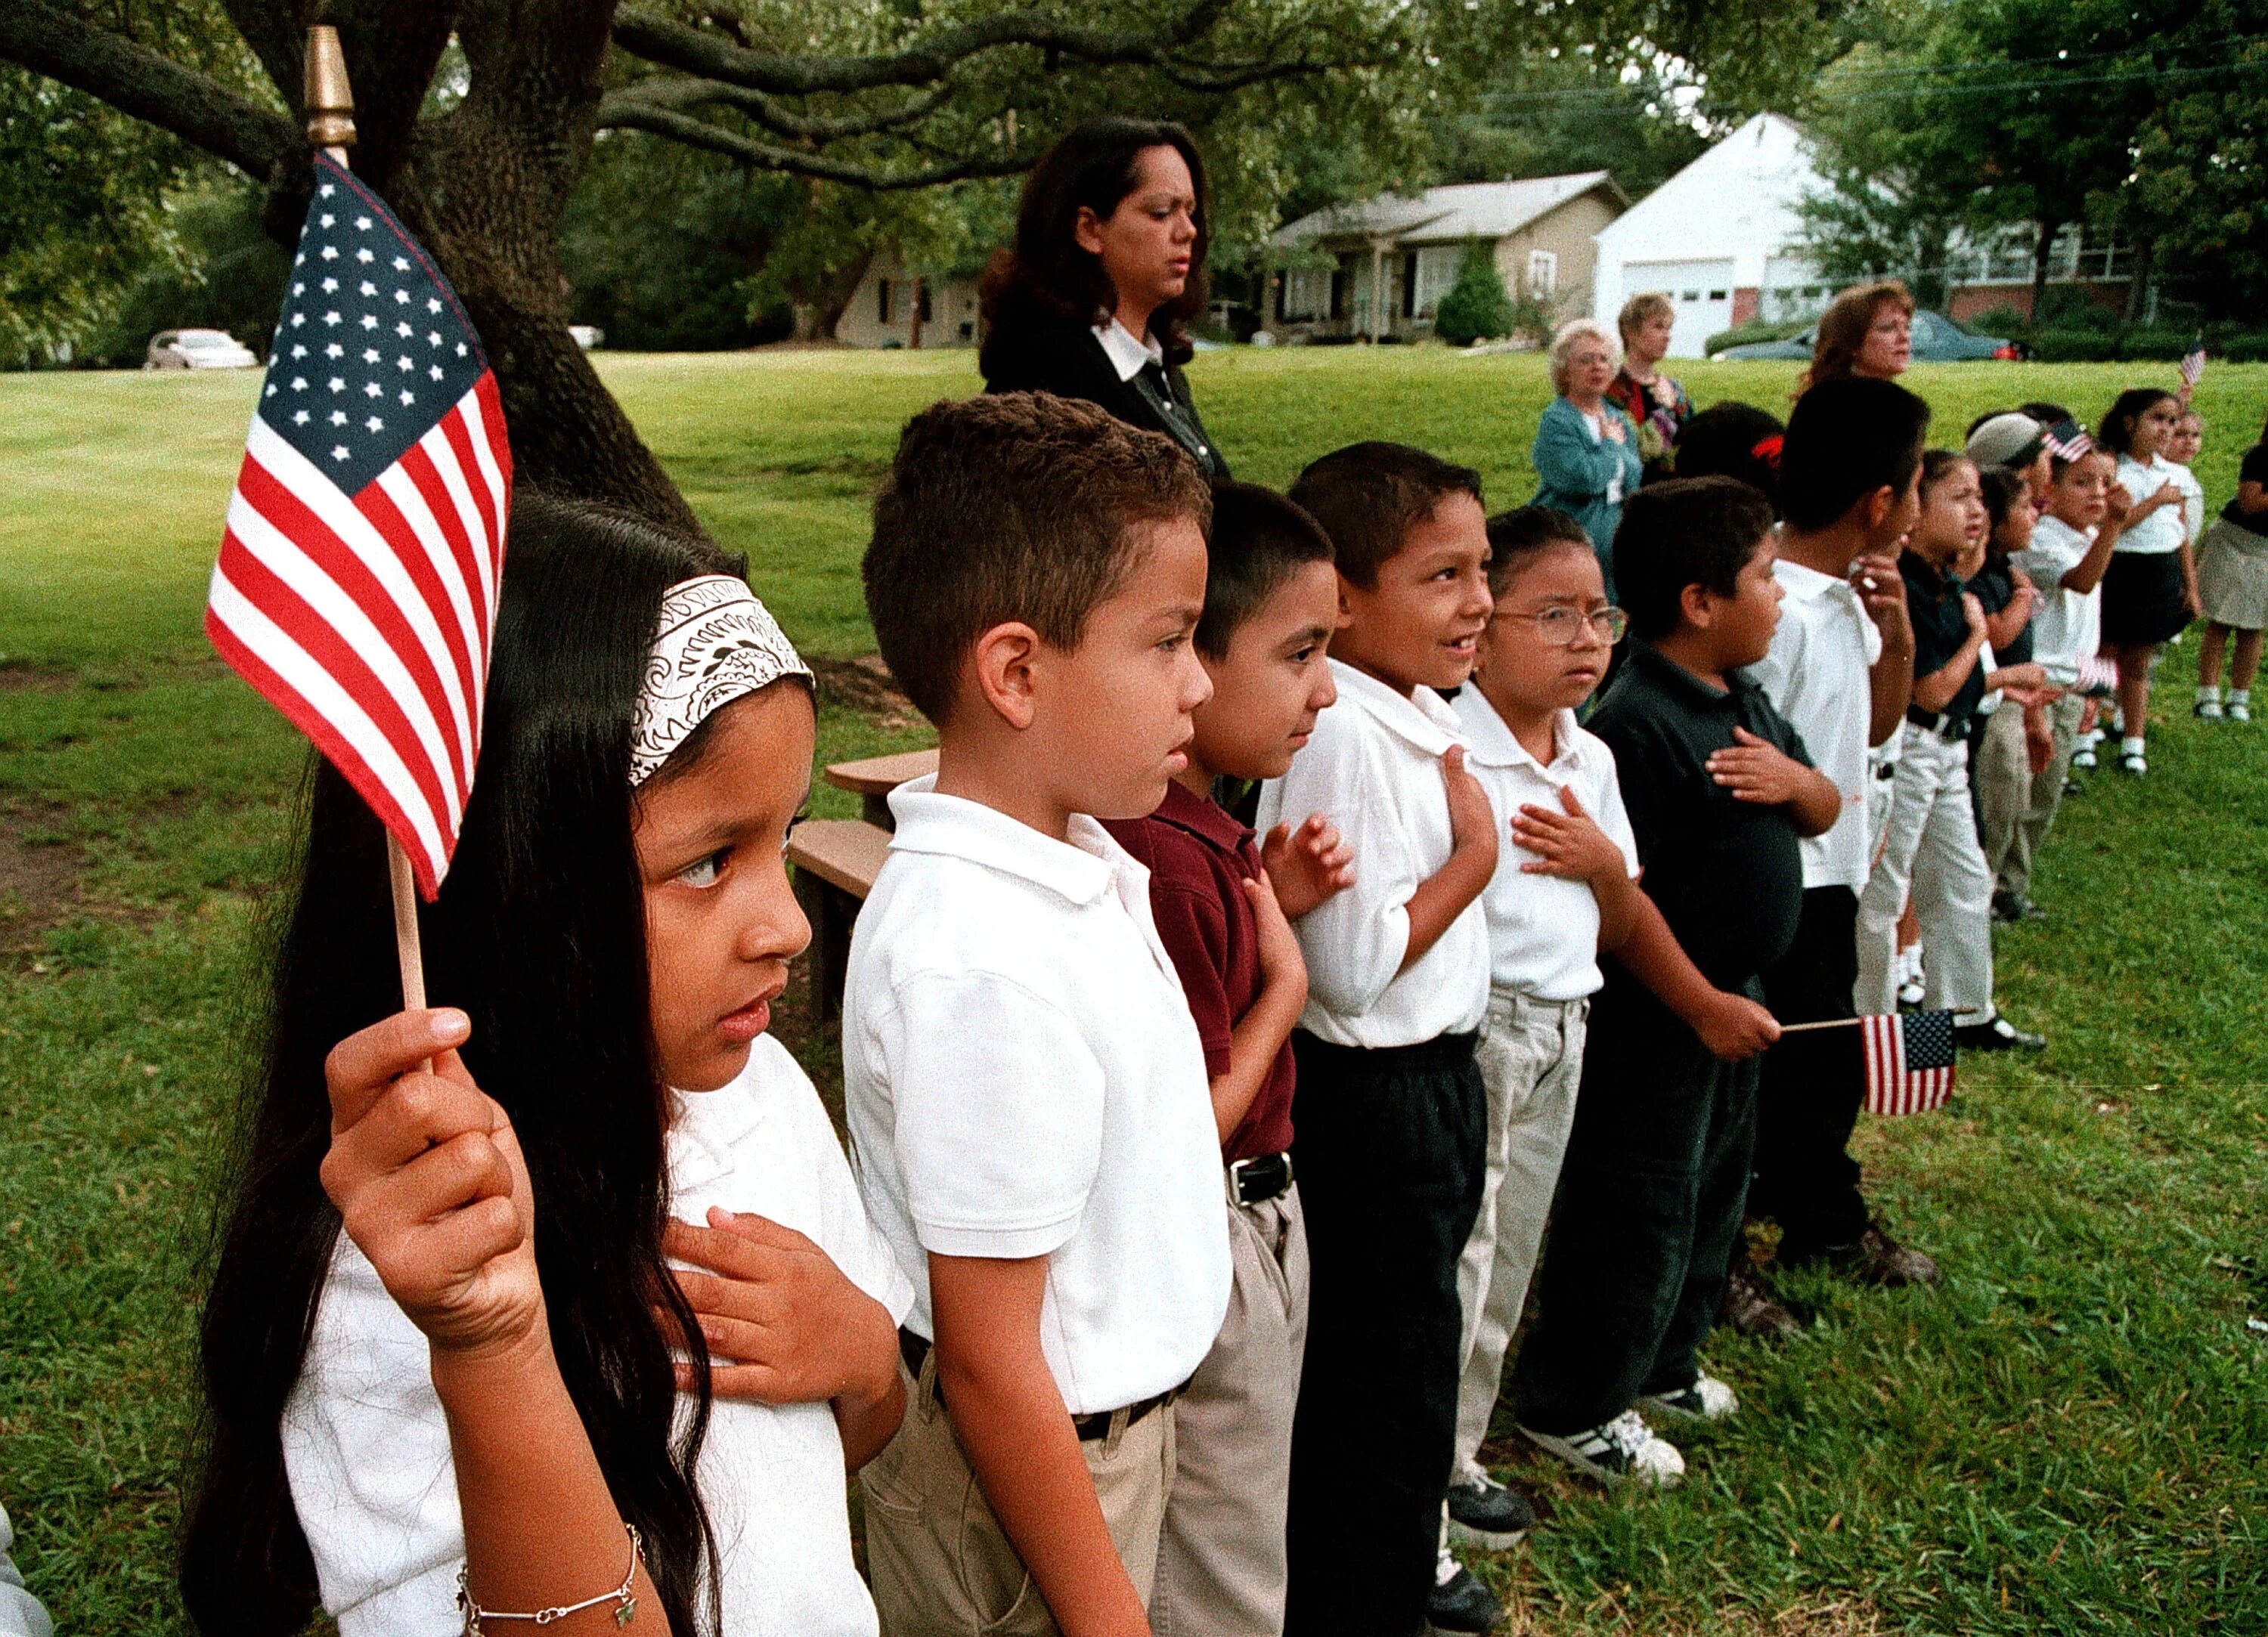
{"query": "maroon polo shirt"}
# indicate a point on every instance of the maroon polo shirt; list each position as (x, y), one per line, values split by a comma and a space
(1199, 858)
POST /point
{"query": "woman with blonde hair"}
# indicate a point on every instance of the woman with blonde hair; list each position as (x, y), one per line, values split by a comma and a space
(1586, 450)
(1655, 402)
(1868, 330)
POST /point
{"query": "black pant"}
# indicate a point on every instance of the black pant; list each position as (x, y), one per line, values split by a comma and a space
(1389, 1152)
(1809, 1100)
(1645, 1221)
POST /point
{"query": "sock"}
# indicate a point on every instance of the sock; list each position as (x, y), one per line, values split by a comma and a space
(2208, 695)
(2239, 696)
(2132, 746)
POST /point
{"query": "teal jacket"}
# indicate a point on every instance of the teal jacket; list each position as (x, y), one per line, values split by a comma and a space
(1575, 472)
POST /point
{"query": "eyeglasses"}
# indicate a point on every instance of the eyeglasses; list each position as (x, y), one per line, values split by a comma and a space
(1560, 626)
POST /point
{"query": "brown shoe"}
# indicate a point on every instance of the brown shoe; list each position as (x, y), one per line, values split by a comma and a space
(1750, 1311)
(1879, 1259)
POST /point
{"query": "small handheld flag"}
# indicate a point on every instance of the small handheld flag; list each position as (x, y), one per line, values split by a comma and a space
(2193, 362)
(2066, 440)
(1910, 1061)
(356, 584)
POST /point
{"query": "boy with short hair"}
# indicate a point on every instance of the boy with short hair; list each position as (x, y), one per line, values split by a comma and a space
(1840, 670)
(1565, 892)
(1391, 1108)
(1718, 789)
(1025, 1092)
(1220, 902)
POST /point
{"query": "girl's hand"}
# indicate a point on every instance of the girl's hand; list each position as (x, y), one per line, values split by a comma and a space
(1307, 865)
(793, 1327)
(1881, 591)
(1972, 611)
(1754, 771)
(430, 1184)
(1472, 821)
(2166, 494)
(1281, 963)
(1569, 845)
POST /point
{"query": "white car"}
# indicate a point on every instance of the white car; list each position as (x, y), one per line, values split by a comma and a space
(198, 349)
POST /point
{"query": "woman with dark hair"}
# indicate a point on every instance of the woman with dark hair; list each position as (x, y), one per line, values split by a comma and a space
(490, 1394)
(1868, 330)
(1107, 269)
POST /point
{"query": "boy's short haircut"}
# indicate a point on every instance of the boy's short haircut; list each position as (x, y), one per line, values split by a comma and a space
(1519, 537)
(1368, 496)
(1734, 440)
(1687, 531)
(1015, 506)
(1259, 540)
(1847, 438)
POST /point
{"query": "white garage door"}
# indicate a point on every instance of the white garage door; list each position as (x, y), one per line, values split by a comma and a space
(1701, 290)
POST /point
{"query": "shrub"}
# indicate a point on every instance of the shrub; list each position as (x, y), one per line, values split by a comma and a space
(1742, 335)
(1476, 307)
(2074, 346)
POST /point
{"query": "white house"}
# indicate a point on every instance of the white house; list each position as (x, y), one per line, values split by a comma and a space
(895, 307)
(1721, 238)
(1378, 267)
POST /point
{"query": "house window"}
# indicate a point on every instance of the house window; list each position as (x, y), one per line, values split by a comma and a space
(1303, 293)
(1716, 294)
(1410, 284)
(1543, 273)
(924, 310)
(1689, 294)
(882, 301)
(1437, 271)
(1338, 292)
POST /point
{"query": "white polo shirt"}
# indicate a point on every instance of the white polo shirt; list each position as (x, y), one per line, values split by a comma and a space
(1542, 930)
(2165, 529)
(2068, 627)
(1022, 1079)
(1373, 767)
(1818, 676)
(366, 1448)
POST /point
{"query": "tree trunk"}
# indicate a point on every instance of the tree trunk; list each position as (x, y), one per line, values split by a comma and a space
(2041, 247)
(831, 300)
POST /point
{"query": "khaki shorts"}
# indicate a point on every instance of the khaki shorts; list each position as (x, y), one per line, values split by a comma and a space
(940, 1562)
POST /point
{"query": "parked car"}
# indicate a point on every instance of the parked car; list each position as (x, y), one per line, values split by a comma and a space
(1936, 340)
(198, 349)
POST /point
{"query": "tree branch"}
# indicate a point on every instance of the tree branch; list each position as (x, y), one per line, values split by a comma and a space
(139, 82)
(672, 44)
(618, 115)
(678, 94)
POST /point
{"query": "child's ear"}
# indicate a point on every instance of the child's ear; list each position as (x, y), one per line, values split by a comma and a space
(1879, 506)
(1003, 662)
(1698, 604)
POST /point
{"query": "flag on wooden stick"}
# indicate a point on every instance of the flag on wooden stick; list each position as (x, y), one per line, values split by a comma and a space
(1910, 1061)
(356, 584)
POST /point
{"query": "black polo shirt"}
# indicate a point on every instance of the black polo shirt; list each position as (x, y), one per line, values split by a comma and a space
(1940, 626)
(1995, 588)
(1727, 874)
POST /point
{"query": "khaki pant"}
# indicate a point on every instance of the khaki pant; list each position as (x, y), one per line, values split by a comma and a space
(2000, 767)
(2043, 795)
(1931, 854)
(941, 1564)
(1531, 1060)
(1221, 1569)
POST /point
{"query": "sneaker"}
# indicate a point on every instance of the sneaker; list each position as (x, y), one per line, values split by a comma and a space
(2131, 764)
(2209, 710)
(1996, 1033)
(1488, 1514)
(1877, 1259)
(2016, 907)
(1459, 1602)
(1625, 1447)
(2083, 757)
(1707, 1399)
(2240, 710)
(1912, 993)
(1749, 1309)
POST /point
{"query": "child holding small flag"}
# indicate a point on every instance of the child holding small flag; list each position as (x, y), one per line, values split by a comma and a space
(2232, 584)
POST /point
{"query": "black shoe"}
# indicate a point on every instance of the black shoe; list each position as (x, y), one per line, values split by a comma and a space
(1749, 1309)
(1488, 1514)
(1996, 1033)
(1875, 1259)
(1461, 1604)
(2016, 907)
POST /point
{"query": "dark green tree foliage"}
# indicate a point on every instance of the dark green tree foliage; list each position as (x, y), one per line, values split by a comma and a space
(228, 275)
(1476, 307)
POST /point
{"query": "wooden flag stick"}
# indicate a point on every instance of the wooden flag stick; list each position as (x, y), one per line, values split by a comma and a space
(1848, 1022)
(407, 947)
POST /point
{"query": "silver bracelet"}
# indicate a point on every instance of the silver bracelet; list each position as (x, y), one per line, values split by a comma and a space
(624, 1600)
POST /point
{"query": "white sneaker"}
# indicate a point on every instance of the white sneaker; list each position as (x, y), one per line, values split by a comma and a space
(1625, 1447)
(2240, 710)
(1707, 1399)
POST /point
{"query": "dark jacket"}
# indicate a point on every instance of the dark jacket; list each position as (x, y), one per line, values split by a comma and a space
(1059, 355)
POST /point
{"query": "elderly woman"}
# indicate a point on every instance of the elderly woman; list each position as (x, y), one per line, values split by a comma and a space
(1586, 451)
(1868, 330)
(1656, 403)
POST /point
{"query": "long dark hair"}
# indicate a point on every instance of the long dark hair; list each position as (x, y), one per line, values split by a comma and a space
(1046, 275)
(539, 935)
(2117, 432)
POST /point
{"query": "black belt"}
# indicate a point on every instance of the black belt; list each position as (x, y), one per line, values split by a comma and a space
(1886, 770)
(1951, 728)
(1255, 1180)
(914, 1349)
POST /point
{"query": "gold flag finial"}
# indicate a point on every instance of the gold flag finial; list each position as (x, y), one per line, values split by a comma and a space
(330, 98)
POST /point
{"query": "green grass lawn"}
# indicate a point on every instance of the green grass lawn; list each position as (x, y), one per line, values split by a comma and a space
(2067, 1437)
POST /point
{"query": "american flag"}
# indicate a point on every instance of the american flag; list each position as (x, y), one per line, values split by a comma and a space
(1909, 1061)
(2066, 440)
(356, 586)
(2193, 361)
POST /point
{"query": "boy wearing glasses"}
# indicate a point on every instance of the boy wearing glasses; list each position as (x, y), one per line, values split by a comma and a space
(1565, 890)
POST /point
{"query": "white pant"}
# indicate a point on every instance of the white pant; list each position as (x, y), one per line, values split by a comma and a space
(1531, 1060)
(1931, 849)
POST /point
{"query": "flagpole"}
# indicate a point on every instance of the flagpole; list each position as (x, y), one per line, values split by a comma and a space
(1848, 1022)
(329, 98)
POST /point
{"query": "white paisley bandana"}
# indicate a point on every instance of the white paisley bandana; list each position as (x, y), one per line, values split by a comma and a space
(715, 642)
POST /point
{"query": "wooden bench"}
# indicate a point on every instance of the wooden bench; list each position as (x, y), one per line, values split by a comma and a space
(836, 862)
(872, 780)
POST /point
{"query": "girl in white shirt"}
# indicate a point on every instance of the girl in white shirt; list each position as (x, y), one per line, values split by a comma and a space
(2150, 591)
(606, 1323)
